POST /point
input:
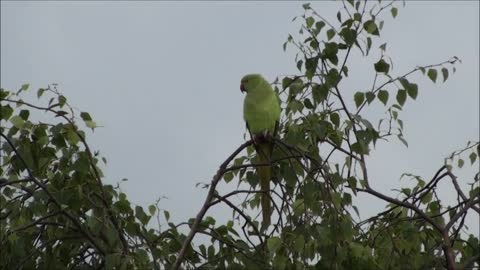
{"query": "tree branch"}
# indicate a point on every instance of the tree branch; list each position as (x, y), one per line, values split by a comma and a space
(211, 192)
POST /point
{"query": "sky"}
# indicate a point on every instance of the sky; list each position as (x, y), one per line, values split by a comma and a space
(162, 79)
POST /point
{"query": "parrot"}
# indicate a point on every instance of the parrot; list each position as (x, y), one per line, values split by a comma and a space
(261, 112)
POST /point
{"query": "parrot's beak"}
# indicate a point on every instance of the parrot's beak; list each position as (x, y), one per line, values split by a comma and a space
(242, 88)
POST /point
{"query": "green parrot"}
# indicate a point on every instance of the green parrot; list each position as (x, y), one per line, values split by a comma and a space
(261, 111)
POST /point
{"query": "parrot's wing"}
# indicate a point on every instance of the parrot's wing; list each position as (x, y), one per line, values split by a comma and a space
(272, 139)
(252, 136)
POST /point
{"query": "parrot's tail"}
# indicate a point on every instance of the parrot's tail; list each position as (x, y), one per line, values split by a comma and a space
(264, 175)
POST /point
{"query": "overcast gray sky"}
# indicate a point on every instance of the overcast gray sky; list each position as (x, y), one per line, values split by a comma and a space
(162, 78)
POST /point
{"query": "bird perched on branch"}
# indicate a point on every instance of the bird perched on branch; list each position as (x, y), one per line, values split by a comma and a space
(261, 111)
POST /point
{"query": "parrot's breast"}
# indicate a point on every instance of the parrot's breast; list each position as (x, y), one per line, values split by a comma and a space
(261, 112)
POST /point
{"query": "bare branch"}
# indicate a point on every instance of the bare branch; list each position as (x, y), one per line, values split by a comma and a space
(211, 192)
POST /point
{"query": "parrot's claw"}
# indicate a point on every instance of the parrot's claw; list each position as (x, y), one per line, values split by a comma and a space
(262, 137)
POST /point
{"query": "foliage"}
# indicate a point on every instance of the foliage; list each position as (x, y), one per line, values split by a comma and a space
(56, 213)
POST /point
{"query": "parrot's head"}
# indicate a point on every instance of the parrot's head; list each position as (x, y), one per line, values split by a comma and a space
(250, 81)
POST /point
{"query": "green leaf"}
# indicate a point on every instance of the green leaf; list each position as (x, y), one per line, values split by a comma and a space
(289, 176)
(349, 35)
(445, 74)
(141, 215)
(24, 114)
(112, 261)
(3, 94)
(359, 97)
(209, 221)
(360, 148)
(365, 122)
(348, 23)
(345, 70)
(336, 137)
(82, 165)
(335, 118)
(152, 209)
(474, 192)
(394, 12)
(371, 27)
(72, 137)
(460, 163)
(61, 113)
(473, 157)
(434, 207)
(383, 96)
(286, 82)
(252, 178)
(400, 137)
(228, 177)
(295, 105)
(274, 244)
(330, 52)
(370, 96)
(280, 262)
(333, 77)
(203, 250)
(382, 66)
(432, 74)
(211, 251)
(299, 65)
(407, 191)
(401, 96)
(296, 87)
(321, 129)
(412, 90)
(17, 121)
(299, 243)
(5, 112)
(427, 198)
(62, 100)
(40, 92)
(319, 92)
(352, 182)
(310, 66)
(396, 106)
(400, 122)
(85, 116)
(166, 214)
(309, 22)
(111, 235)
(357, 16)
(308, 104)
(330, 34)
(369, 44)
(405, 83)
(318, 26)
(24, 87)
